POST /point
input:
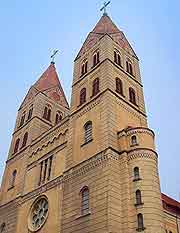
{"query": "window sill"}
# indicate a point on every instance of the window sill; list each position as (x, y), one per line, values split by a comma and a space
(133, 103)
(136, 179)
(138, 204)
(121, 94)
(140, 229)
(94, 95)
(86, 143)
(83, 215)
(10, 187)
(80, 105)
(134, 145)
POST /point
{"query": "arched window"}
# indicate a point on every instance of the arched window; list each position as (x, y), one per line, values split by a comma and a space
(119, 86)
(138, 197)
(134, 140)
(95, 87)
(58, 117)
(16, 147)
(49, 114)
(84, 200)
(140, 222)
(96, 58)
(88, 132)
(2, 227)
(117, 58)
(129, 68)
(25, 138)
(45, 112)
(30, 113)
(22, 119)
(84, 68)
(13, 178)
(82, 96)
(132, 95)
(136, 173)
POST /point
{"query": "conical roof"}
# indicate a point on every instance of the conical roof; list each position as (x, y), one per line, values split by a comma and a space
(49, 84)
(105, 26)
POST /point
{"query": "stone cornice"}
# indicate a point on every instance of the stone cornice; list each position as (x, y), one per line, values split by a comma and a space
(51, 141)
(134, 130)
(142, 153)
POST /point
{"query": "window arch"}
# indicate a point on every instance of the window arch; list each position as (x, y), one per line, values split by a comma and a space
(95, 86)
(25, 138)
(47, 113)
(13, 178)
(22, 119)
(132, 95)
(84, 68)
(138, 197)
(30, 113)
(88, 132)
(119, 86)
(140, 222)
(2, 227)
(117, 58)
(96, 58)
(84, 200)
(83, 96)
(16, 147)
(58, 117)
(134, 140)
(136, 173)
(129, 67)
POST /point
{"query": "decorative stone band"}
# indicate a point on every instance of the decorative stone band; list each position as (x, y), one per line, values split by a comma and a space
(130, 131)
(142, 153)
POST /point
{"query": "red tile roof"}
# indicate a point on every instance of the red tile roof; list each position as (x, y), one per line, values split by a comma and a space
(170, 204)
(48, 79)
(50, 85)
(103, 27)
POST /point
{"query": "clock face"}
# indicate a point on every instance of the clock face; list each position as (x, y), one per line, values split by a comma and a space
(38, 214)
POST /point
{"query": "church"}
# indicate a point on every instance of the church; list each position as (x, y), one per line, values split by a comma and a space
(91, 166)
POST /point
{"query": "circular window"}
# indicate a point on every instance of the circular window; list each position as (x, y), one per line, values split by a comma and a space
(38, 214)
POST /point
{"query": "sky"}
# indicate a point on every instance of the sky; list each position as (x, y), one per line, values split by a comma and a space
(30, 30)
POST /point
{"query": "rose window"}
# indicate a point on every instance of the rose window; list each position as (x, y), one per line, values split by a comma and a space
(38, 214)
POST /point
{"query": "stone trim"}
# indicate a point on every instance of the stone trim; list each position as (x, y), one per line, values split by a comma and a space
(131, 131)
(142, 153)
(49, 142)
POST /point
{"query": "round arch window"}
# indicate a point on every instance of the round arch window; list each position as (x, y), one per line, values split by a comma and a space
(38, 214)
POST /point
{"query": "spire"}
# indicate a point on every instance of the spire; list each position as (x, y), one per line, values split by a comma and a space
(105, 26)
(49, 84)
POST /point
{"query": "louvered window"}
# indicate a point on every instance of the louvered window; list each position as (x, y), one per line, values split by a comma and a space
(85, 200)
(88, 132)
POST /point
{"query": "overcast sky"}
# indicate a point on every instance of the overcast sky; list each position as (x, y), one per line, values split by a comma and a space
(30, 30)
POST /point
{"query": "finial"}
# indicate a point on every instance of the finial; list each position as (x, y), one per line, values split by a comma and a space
(104, 7)
(53, 56)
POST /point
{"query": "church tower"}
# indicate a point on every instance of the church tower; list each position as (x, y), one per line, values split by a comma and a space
(43, 108)
(111, 152)
(91, 167)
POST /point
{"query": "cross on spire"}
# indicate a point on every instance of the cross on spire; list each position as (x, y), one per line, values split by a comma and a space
(104, 7)
(53, 56)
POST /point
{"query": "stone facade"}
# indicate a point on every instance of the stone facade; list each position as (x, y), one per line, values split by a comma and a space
(114, 160)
